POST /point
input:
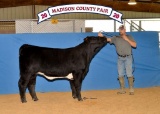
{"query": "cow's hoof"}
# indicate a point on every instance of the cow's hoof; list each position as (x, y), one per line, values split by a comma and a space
(35, 99)
(24, 101)
(74, 97)
(80, 99)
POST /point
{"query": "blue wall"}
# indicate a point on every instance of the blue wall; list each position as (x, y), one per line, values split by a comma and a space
(103, 68)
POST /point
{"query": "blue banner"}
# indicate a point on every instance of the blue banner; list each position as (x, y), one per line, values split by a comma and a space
(103, 68)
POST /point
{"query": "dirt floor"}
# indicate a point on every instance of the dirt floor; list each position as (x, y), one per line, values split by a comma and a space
(145, 101)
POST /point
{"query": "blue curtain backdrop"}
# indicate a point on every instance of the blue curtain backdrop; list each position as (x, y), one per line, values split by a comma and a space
(103, 68)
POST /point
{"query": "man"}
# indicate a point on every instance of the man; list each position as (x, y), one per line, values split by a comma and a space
(123, 44)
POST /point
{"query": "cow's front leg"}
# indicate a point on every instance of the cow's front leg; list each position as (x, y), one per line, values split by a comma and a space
(31, 87)
(22, 89)
(74, 95)
(78, 84)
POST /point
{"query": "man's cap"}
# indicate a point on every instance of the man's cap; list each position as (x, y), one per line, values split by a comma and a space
(121, 27)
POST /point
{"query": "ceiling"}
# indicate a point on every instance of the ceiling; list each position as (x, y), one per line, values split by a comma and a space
(152, 6)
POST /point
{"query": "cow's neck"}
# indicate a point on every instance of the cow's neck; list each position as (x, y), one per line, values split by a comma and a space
(91, 53)
(88, 50)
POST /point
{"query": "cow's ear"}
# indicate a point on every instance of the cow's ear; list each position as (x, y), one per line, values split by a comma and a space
(86, 39)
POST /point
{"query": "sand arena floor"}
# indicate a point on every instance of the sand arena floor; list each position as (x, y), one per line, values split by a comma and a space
(145, 101)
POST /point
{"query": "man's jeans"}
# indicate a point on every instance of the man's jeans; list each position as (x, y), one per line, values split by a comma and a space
(125, 66)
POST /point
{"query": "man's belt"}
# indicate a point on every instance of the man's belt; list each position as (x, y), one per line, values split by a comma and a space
(124, 55)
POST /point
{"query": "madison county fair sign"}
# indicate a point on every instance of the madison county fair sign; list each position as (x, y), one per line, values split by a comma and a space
(79, 8)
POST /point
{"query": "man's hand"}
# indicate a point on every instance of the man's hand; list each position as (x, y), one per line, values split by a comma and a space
(132, 43)
(100, 34)
(125, 37)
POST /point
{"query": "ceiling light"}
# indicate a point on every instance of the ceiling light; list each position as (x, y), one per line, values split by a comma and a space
(132, 2)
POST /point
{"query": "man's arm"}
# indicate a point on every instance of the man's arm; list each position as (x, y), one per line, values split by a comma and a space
(131, 42)
(101, 35)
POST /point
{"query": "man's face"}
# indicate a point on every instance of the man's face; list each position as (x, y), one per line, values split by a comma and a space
(122, 31)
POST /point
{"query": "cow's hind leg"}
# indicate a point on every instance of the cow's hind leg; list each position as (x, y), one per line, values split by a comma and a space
(74, 95)
(31, 87)
(22, 83)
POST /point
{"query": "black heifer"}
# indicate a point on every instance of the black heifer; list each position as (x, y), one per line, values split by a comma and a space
(72, 63)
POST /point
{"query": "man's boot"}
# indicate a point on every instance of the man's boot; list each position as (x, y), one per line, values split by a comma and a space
(122, 85)
(130, 82)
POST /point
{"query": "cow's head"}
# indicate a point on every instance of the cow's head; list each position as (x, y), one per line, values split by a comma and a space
(95, 39)
(95, 42)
